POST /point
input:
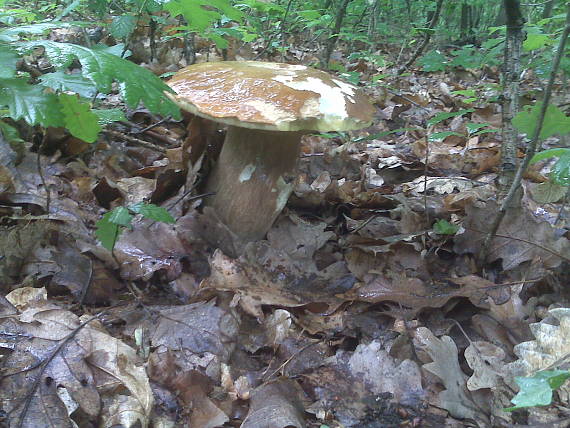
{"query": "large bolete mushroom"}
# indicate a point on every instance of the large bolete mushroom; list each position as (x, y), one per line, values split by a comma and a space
(267, 107)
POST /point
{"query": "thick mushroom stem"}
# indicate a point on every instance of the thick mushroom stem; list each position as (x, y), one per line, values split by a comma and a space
(253, 179)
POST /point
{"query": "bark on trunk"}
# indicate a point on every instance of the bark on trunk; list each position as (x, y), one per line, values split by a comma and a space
(511, 91)
(331, 42)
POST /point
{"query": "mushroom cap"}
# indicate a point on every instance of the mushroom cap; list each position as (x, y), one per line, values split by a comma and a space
(270, 96)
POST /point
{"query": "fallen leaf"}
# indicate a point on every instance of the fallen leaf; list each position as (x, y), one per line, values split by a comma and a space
(445, 365)
(275, 405)
(73, 365)
(197, 328)
(487, 362)
(532, 239)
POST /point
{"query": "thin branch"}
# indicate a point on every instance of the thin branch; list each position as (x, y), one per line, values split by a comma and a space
(136, 141)
(426, 39)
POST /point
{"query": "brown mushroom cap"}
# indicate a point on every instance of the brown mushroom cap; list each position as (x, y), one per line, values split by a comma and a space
(270, 96)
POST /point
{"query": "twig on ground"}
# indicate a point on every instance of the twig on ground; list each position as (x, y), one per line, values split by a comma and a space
(133, 140)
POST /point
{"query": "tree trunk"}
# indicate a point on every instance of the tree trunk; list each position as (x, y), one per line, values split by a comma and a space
(511, 90)
(331, 42)
(372, 24)
(547, 11)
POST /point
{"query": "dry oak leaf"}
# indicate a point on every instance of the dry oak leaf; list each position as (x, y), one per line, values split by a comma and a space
(416, 294)
(268, 282)
(487, 362)
(198, 328)
(56, 363)
(550, 349)
(528, 239)
(445, 365)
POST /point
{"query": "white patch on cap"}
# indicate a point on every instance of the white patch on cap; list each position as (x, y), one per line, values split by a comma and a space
(270, 112)
(282, 68)
(332, 103)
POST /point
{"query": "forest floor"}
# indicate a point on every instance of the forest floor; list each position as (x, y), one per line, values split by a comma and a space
(364, 307)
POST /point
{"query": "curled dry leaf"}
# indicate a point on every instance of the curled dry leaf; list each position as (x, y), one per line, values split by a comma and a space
(74, 364)
(282, 271)
(550, 348)
(257, 286)
(382, 373)
(275, 405)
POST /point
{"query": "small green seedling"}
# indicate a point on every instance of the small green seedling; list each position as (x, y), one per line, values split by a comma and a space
(560, 173)
(112, 223)
(537, 390)
(443, 227)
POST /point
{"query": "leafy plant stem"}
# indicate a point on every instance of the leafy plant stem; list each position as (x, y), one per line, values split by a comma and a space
(41, 174)
(563, 207)
(532, 146)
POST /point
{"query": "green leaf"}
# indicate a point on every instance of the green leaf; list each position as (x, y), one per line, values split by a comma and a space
(30, 103)
(110, 115)
(560, 173)
(12, 33)
(152, 212)
(444, 116)
(351, 77)
(60, 81)
(10, 133)
(136, 83)
(443, 227)
(555, 121)
(8, 59)
(107, 232)
(467, 57)
(550, 153)
(120, 216)
(149, 6)
(465, 92)
(79, 119)
(198, 17)
(437, 137)
(433, 61)
(536, 41)
(122, 26)
(537, 390)
(474, 127)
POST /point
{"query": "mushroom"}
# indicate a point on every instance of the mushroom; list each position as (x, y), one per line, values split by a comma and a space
(267, 108)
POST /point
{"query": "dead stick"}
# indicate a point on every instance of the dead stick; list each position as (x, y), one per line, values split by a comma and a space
(134, 140)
